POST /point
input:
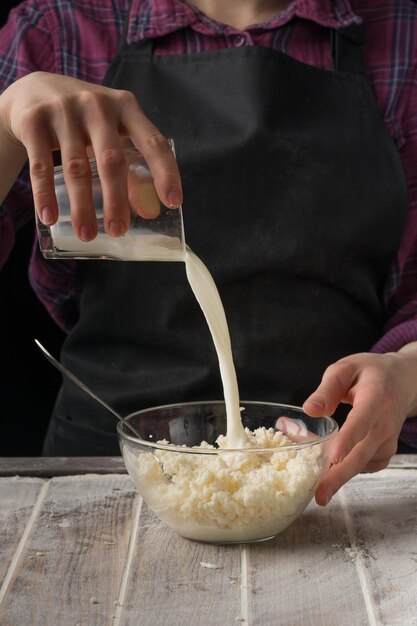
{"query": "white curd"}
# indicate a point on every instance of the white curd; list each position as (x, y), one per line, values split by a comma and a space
(227, 497)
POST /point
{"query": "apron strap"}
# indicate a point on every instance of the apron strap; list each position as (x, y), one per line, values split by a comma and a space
(346, 45)
(144, 48)
(123, 44)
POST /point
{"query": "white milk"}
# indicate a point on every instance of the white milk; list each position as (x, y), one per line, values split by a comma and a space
(208, 297)
(137, 244)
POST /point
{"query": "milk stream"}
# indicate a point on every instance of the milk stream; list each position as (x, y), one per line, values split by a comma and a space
(208, 297)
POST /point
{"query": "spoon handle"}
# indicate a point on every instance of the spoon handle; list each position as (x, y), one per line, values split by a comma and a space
(84, 387)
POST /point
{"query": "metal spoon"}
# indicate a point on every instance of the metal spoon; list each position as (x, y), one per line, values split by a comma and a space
(88, 391)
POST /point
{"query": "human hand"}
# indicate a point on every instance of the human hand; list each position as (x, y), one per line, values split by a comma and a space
(381, 388)
(294, 429)
(44, 112)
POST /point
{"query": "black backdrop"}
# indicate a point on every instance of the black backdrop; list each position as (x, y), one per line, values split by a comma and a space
(28, 383)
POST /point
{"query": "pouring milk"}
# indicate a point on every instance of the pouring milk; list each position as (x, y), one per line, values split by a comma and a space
(208, 297)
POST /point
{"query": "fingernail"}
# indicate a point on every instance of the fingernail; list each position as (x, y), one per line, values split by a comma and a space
(47, 216)
(87, 232)
(174, 198)
(117, 228)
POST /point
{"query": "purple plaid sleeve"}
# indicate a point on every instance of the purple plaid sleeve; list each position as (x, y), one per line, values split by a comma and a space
(53, 36)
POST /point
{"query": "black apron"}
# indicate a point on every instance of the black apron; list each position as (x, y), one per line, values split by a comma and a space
(294, 198)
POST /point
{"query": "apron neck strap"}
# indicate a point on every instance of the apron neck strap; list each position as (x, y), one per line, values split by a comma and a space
(346, 44)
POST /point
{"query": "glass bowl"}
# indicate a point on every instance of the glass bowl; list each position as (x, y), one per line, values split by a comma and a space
(217, 495)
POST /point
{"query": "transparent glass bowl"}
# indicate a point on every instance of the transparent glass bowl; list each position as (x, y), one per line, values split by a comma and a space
(218, 495)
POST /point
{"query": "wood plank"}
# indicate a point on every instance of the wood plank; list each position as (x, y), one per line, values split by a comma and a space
(382, 523)
(174, 581)
(83, 550)
(60, 466)
(304, 576)
(17, 499)
(403, 461)
(72, 564)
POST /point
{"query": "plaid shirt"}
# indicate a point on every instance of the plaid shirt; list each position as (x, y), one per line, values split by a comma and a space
(80, 37)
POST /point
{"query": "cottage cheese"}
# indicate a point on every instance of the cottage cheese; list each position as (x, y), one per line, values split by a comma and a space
(229, 497)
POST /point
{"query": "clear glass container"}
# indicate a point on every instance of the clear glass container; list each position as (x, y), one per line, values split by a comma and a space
(157, 239)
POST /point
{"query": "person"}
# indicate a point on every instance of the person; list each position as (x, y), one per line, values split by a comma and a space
(295, 132)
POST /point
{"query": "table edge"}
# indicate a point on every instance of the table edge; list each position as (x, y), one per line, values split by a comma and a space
(42, 466)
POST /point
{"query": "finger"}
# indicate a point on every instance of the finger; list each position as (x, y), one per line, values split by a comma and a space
(67, 122)
(354, 463)
(78, 181)
(294, 429)
(362, 418)
(38, 144)
(100, 118)
(112, 170)
(157, 151)
(142, 195)
(336, 382)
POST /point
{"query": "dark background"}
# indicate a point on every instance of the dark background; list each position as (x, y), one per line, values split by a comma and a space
(28, 383)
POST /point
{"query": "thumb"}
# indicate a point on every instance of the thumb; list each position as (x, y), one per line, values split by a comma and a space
(334, 388)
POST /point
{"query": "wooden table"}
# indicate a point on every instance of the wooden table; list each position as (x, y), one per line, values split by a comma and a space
(78, 546)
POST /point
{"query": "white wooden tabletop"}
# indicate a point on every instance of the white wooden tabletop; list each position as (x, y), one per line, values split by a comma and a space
(83, 549)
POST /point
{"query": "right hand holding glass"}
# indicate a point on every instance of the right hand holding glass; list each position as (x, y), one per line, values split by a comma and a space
(45, 112)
